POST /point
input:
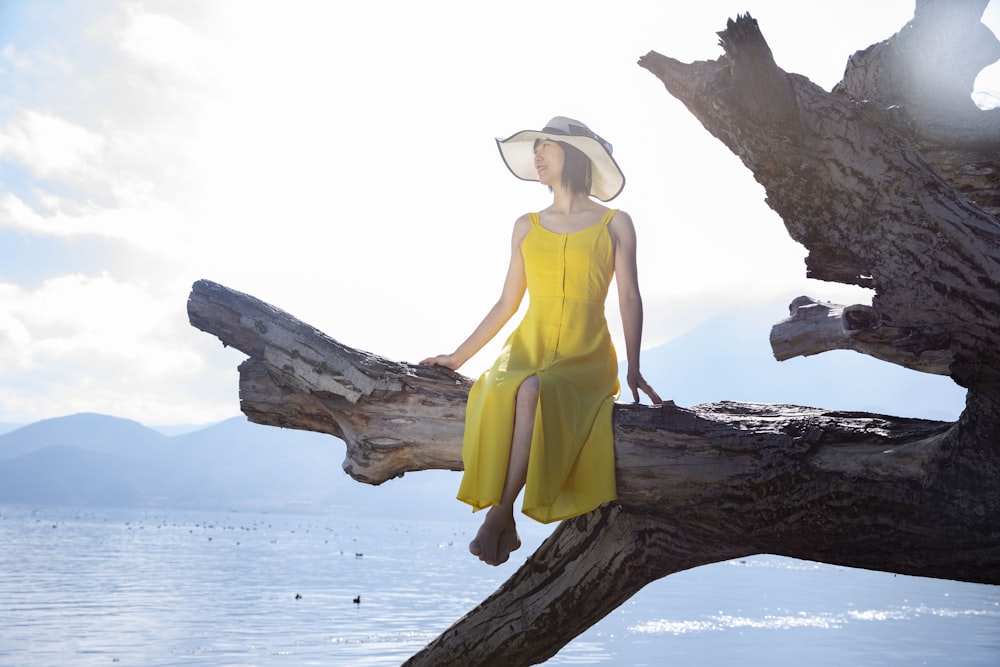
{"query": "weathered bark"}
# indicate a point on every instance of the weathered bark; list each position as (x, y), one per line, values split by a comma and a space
(924, 74)
(890, 181)
(850, 183)
(815, 326)
(610, 553)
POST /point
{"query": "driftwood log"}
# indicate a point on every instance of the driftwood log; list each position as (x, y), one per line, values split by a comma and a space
(891, 181)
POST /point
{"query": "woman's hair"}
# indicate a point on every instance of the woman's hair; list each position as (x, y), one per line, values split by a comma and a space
(577, 173)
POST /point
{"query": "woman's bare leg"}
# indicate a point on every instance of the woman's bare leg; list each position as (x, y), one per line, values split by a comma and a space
(498, 537)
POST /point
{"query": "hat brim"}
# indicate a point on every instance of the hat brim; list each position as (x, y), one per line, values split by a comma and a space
(518, 153)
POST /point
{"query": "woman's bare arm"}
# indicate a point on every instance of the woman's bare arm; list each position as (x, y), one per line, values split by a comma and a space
(630, 301)
(514, 286)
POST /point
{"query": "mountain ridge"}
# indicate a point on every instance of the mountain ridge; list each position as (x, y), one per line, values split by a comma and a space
(233, 464)
(89, 430)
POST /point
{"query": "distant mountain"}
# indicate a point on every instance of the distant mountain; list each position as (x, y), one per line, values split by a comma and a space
(171, 430)
(90, 459)
(99, 433)
(67, 476)
(7, 428)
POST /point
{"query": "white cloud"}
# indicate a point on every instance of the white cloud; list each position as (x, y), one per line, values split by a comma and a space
(92, 343)
(168, 45)
(50, 146)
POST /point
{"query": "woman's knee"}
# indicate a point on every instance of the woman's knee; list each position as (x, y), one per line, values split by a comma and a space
(528, 391)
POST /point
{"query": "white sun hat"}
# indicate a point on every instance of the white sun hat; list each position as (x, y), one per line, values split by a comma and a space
(518, 152)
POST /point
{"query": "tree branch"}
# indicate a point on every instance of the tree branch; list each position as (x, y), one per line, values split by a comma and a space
(568, 584)
(816, 326)
(850, 183)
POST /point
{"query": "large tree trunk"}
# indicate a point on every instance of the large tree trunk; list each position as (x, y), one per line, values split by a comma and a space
(891, 182)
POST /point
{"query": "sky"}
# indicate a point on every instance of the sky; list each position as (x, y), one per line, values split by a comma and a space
(337, 160)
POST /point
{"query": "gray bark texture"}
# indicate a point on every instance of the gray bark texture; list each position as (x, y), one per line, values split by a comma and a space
(891, 181)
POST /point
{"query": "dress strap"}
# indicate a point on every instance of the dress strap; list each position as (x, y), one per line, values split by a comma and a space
(535, 219)
(608, 216)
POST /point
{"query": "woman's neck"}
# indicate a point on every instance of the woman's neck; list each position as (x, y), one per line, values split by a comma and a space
(566, 202)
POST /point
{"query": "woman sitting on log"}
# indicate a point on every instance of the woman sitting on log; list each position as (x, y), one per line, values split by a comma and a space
(540, 417)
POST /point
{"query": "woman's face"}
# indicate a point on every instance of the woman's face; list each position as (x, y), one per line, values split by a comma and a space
(549, 158)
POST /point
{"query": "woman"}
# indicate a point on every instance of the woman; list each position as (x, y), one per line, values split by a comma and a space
(540, 417)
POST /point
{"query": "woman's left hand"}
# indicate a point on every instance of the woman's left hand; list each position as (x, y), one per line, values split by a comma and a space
(636, 382)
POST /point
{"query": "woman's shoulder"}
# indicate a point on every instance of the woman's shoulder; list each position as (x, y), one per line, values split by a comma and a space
(620, 219)
(526, 220)
(620, 227)
(523, 225)
(621, 216)
(613, 217)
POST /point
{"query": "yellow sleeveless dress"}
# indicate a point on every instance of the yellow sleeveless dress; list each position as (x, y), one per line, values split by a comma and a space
(564, 340)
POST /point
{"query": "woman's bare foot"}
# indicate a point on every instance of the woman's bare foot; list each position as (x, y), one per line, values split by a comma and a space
(497, 537)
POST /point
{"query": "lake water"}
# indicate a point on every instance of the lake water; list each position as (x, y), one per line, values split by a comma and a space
(107, 587)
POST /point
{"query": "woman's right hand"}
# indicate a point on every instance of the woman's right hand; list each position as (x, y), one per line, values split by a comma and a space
(446, 360)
